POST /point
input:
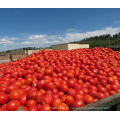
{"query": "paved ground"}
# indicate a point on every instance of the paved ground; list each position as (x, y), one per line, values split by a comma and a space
(1, 61)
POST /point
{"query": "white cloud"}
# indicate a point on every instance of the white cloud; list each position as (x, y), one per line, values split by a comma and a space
(117, 21)
(79, 36)
(37, 37)
(6, 42)
(28, 43)
(71, 29)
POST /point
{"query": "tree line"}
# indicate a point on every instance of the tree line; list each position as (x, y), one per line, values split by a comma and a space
(101, 41)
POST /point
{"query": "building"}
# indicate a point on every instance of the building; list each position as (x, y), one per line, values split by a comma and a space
(69, 46)
(27, 52)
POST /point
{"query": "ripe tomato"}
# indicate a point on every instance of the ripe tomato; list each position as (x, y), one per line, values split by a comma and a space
(40, 84)
(79, 96)
(31, 94)
(69, 100)
(56, 102)
(12, 105)
(114, 87)
(21, 108)
(100, 95)
(88, 99)
(30, 103)
(47, 99)
(63, 107)
(71, 92)
(45, 107)
(33, 108)
(71, 83)
(14, 95)
(64, 87)
(3, 98)
(77, 104)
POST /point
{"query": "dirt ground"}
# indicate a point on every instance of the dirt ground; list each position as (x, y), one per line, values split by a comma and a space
(6, 57)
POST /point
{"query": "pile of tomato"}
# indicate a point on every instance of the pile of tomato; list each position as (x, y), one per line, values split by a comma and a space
(59, 80)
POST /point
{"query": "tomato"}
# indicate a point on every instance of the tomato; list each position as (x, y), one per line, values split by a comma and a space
(77, 104)
(40, 84)
(71, 83)
(12, 105)
(60, 94)
(14, 95)
(69, 100)
(93, 93)
(102, 89)
(30, 103)
(47, 99)
(77, 87)
(45, 107)
(70, 75)
(71, 92)
(2, 89)
(33, 108)
(28, 81)
(103, 83)
(88, 99)
(31, 94)
(100, 95)
(79, 96)
(63, 107)
(49, 86)
(3, 98)
(112, 92)
(80, 92)
(64, 87)
(108, 86)
(21, 108)
(56, 102)
(114, 87)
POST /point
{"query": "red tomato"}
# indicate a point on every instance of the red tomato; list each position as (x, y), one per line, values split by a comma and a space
(100, 95)
(88, 99)
(33, 108)
(63, 107)
(69, 100)
(31, 94)
(47, 99)
(71, 83)
(21, 108)
(12, 105)
(14, 95)
(45, 107)
(77, 104)
(71, 92)
(56, 102)
(64, 87)
(3, 98)
(79, 96)
(30, 103)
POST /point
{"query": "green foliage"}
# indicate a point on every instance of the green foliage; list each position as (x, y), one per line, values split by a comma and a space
(101, 41)
(8, 51)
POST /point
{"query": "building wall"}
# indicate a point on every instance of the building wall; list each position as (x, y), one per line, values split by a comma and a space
(18, 52)
(73, 46)
(30, 51)
(83, 45)
(60, 47)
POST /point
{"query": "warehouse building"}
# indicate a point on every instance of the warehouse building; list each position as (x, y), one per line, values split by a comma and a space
(69, 46)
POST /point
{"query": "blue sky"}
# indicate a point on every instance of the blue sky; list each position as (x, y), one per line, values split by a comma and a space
(41, 27)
